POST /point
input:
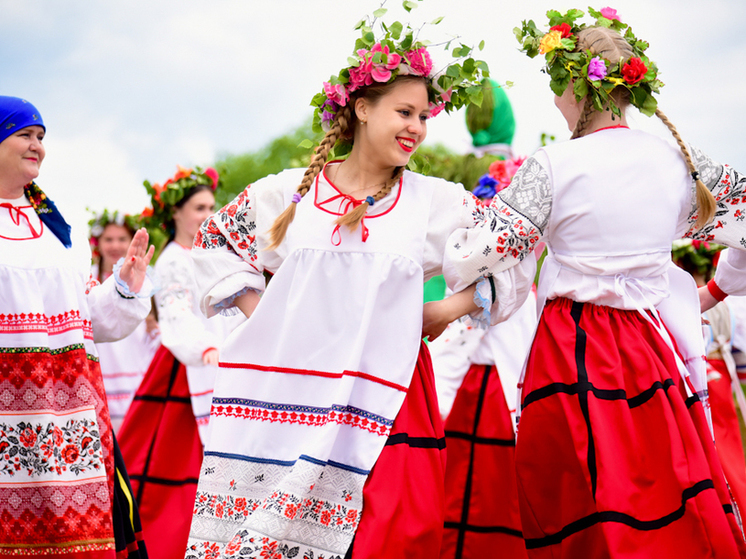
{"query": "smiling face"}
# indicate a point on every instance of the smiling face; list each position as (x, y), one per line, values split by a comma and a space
(395, 125)
(113, 243)
(190, 216)
(21, 155)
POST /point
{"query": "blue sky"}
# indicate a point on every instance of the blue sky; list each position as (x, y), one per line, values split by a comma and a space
(129, 89)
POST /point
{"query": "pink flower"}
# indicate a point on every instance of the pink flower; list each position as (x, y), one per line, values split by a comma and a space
(435, 110)
(610, 13)
(359, 77)
(420, 62)
(381, 74)
(336, 93)
(392, 59)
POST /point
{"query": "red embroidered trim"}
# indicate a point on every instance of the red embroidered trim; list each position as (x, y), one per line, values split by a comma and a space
(715, 290)
(358, 374)
(59, 324)
(300, 418)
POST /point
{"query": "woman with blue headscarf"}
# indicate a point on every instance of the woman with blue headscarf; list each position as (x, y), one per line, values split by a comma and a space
(63, 488)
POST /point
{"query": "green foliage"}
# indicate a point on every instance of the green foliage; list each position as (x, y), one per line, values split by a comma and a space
(238, 171)
(439, 161)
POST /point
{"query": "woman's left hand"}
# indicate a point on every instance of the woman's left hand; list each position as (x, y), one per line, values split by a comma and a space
(136, 261)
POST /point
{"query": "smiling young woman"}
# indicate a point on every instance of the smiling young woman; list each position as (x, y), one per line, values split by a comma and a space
(326, 438)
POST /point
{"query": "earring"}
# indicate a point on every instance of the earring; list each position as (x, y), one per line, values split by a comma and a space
(364, 121)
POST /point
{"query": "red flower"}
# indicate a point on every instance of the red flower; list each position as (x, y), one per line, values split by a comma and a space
(213, 174)
(28, 437)
(634, 70)
(233, 546)
(326, 518)
(70, 453)
(563, 28)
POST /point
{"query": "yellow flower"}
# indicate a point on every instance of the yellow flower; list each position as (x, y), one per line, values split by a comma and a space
(550, 41)
(616, 81)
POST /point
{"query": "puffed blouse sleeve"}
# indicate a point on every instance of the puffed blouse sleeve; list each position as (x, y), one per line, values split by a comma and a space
(728, 186)
(230, 250)
(114, 315)
(182, 332)
(475, 250)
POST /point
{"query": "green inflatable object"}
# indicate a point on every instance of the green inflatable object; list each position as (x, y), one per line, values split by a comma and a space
(493, 122)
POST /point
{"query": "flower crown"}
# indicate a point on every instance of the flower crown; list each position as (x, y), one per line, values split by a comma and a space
(164, 198)
(499, 176)
(590, 74)
(398, 52)
(98, 223)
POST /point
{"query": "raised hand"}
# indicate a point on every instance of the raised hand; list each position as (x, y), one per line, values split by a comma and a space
(136, 261)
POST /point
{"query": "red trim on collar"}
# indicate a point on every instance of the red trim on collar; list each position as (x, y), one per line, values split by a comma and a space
(611, 128)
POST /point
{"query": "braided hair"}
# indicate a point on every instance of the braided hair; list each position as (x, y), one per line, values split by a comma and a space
(342, 129)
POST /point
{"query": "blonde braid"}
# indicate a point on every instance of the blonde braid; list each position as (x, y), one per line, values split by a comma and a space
(584, 120)
(353, 218)
(706, 203)
(339, 127)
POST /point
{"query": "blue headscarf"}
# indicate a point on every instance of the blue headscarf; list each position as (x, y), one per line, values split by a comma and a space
(16, 114)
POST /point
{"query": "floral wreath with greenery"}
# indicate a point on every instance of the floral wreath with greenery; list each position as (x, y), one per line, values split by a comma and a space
(398, 51)
(99, 221)
(164, 198)
(591, 74)
(701, 255)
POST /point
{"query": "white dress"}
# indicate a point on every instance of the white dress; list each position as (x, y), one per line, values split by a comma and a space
(310, 386)
(56, 461)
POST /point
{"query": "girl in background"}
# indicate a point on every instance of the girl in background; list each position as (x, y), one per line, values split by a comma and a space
(167, 426)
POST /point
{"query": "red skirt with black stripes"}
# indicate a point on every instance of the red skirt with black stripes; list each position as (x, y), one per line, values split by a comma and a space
(612, 458)
(161, 446)
(403, 495)
(482, 513)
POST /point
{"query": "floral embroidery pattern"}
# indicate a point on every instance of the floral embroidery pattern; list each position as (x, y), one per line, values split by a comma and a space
(51, 325)
(729, 189)
(240, 229)
(244, 546)
(302, 415)
(42, 449)
(287, 505)
(37, 198)
(225, 507)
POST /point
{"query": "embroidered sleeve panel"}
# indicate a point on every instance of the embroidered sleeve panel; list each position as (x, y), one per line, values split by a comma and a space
(507, 229)
(530, 193)
(728, 186)
(232, 228)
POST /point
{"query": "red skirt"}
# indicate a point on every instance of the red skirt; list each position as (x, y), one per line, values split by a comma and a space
(727, 432)
(403, 496)
(613, 460)
(163, 452)
(482, 513)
